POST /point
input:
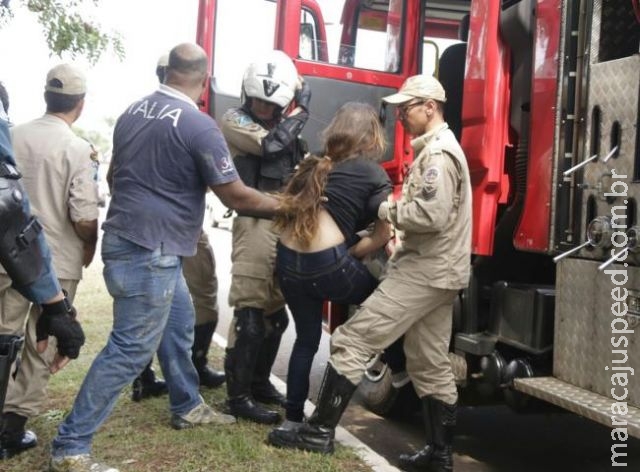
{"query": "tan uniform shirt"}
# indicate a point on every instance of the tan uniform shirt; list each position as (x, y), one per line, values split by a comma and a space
(59, 175)
(434, 214)
(243, 135)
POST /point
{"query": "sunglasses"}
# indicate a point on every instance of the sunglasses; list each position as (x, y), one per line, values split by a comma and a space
(403, 110)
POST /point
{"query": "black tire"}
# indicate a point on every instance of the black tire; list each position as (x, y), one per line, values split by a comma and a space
(382, 398)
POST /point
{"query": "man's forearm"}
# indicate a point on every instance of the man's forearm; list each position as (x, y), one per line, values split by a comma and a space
(87, 230)
(246, 200)
(256, 203)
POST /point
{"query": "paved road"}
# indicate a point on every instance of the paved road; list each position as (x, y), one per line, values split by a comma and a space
(488, 439)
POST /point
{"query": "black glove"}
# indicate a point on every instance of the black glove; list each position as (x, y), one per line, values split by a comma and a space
(59, 319)
(303, 96)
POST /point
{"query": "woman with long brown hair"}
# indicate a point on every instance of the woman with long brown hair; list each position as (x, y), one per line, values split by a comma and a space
(325, 204)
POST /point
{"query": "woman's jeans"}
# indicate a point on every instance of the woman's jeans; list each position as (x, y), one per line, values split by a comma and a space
(307, 280)
(152, 310)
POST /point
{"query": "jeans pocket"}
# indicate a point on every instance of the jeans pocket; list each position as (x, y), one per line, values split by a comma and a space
(350, 283)
(161, 261)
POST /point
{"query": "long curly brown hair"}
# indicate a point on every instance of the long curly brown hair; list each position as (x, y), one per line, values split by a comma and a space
(354, 131)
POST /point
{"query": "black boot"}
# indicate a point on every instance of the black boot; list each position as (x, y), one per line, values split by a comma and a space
(437, 455)
(261, 388)
(14, 439)
(201, 341)
(317, 434)
(146, 385)
(239, 365)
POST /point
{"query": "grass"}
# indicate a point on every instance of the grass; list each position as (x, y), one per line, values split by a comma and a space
(137, 436)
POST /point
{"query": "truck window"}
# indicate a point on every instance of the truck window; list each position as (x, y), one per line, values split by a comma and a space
(432, 49)
(310, 46)
(240, 38)
(369, 27)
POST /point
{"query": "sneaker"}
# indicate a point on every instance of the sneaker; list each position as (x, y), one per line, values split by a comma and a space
(79, 463)
(201, 414)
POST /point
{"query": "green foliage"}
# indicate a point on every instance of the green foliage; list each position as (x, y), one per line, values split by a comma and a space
(65, 29)
(101, 140)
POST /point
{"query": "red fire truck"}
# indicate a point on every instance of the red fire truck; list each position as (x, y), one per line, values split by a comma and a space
(544, 97)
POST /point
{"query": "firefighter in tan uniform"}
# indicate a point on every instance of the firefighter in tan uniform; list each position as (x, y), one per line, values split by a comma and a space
(263, 140)
(415, 299)
(59, 173)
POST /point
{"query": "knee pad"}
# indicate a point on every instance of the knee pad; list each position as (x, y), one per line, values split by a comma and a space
(277, 322)
(249, 324)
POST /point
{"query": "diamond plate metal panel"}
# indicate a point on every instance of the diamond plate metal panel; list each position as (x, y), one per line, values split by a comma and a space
(613, 88)
(583, 331)
(588, 404)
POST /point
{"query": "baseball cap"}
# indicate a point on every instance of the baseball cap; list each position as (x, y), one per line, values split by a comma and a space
(163, 61)
(418, 86)
(67, 80)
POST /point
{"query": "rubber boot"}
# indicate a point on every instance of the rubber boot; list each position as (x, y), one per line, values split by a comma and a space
(146, 385)
(261, 388)
(437, 455)
(239, 365)
(318, 433)
(14, 439)
(201, 341)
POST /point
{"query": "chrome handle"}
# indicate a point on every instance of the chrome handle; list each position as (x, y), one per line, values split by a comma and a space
(611, 153)
(633, 239)
(613, 258)
(571, 251)
(591, 159)
(580, 165)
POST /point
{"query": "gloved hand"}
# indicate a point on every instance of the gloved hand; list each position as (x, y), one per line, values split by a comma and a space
(59, 319)
(302, 95)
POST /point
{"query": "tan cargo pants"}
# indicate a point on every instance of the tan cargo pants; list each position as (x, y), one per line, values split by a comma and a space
(253, 258)
(200, 273)
(27, 392)
(423, 314)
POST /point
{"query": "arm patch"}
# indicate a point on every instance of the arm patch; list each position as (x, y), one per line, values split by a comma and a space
(431, 175)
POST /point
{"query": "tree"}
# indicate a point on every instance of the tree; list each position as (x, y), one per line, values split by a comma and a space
(65, 29)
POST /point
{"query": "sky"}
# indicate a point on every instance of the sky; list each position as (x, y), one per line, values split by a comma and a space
(149, 28)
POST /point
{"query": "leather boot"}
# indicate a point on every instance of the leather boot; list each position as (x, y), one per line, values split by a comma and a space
(146, 385)
(201, 341)
(239, 365)
(437, 455)
(261, 388)
(14, 439)
(318, 433)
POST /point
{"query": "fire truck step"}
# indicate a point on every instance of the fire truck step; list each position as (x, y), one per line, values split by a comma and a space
(591, 405)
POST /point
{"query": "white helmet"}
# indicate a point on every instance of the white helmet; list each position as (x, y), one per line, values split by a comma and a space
(272, 79)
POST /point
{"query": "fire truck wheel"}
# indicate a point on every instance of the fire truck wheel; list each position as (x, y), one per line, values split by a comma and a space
(381, 397)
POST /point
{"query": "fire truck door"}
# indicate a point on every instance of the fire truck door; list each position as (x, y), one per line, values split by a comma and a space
(348, 50)
(232, 38)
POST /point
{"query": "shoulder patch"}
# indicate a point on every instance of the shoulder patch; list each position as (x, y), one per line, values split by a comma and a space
(241, 119)
(225, 164)
(431, 175)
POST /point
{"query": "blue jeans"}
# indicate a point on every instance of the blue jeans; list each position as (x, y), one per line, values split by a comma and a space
(306, 281)
(152, 311)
